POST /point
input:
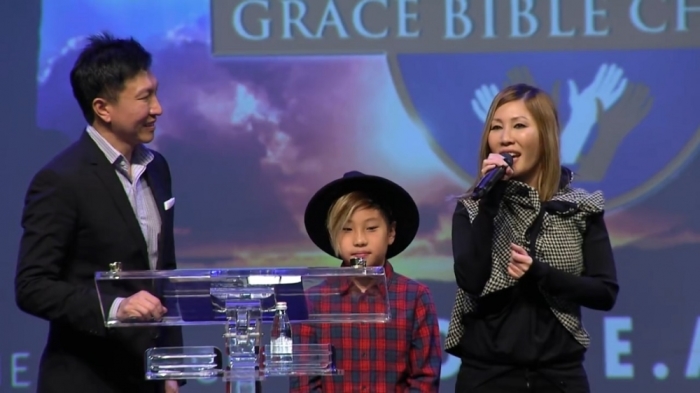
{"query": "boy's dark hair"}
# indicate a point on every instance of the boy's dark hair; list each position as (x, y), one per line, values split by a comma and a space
(103, 67)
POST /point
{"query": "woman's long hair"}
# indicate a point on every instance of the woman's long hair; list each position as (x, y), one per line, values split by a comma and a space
(544, 113)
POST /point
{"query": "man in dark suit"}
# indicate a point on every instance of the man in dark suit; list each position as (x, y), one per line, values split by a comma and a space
(106, 198)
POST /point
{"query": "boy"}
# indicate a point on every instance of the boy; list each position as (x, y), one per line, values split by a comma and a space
(362, 216)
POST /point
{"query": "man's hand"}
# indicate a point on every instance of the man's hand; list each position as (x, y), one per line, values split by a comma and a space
(520, 262)
(142, 306)
(171, 387)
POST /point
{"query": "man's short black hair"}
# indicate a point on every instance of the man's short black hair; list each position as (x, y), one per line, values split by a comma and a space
(103, 67)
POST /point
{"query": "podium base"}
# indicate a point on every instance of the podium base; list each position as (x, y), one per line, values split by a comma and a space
(208, 362)
(244, 387)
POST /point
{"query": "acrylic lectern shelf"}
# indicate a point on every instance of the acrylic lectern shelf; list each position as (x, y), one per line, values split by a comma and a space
(199, 296)
(241, 300)
(207, 362)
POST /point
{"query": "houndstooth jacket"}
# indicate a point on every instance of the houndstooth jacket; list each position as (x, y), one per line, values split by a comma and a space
(558, 243)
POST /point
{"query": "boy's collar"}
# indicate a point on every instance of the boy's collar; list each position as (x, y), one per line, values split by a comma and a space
(348, 284)
(388, 270)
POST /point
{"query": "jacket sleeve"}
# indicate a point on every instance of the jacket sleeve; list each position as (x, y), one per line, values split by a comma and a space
(597, 287)
(49, 222)
(472, 242)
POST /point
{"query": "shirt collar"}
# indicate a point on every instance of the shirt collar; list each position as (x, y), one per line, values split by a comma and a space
(349, 286)
(141, 155)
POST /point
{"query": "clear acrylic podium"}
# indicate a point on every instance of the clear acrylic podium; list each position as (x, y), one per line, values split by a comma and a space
(241, 300)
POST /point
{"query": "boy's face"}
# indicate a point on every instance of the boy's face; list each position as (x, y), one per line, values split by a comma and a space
(366, 235)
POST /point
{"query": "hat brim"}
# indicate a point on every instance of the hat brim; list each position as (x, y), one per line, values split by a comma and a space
(385, 192)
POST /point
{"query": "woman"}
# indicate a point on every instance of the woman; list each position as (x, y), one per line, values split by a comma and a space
(528, 256)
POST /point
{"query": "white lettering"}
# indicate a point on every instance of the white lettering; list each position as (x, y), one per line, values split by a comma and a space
(294, 19)
(590, 14)
(360, 26)
(451, 17)
(288, 21)
(515, 16)
(18, 369)
(636, 18)
(615, 347)
(239, 27)
(404, 16)
(682, 15)
(555, 16)
(331, 18)
(489, 19)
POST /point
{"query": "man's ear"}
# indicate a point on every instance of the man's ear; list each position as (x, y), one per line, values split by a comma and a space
(102, 109)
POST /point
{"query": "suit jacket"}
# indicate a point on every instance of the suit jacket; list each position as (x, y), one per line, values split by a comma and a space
(77, 219)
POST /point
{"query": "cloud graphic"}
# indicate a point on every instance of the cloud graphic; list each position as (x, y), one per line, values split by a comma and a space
(650, 229)
(250, 140)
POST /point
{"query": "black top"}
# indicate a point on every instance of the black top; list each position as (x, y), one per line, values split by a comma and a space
(515, 327)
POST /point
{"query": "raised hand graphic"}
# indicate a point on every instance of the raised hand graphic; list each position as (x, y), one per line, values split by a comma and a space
(613, 125)
(483, 96)
(606, 88)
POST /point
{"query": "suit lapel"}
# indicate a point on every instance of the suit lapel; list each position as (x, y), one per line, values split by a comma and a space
(157, 189)
(109, 178)
(116, 191)
(159, 195)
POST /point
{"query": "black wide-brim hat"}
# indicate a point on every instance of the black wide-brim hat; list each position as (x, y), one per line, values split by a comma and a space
(391, 197)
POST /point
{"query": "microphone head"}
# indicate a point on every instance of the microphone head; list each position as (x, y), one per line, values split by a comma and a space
(508, 159)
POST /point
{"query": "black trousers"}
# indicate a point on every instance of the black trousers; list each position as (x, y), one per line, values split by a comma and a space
(572, 380)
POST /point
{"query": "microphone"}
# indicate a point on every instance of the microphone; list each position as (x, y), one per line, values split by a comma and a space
(491, 178)
(358, 262)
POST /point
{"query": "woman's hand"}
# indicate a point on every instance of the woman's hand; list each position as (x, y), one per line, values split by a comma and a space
(495, 160)
(520, 261)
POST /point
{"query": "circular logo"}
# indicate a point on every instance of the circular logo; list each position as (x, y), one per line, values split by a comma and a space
(624, 129)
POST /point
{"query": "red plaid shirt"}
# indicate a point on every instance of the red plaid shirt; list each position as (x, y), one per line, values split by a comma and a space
(402, 355)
